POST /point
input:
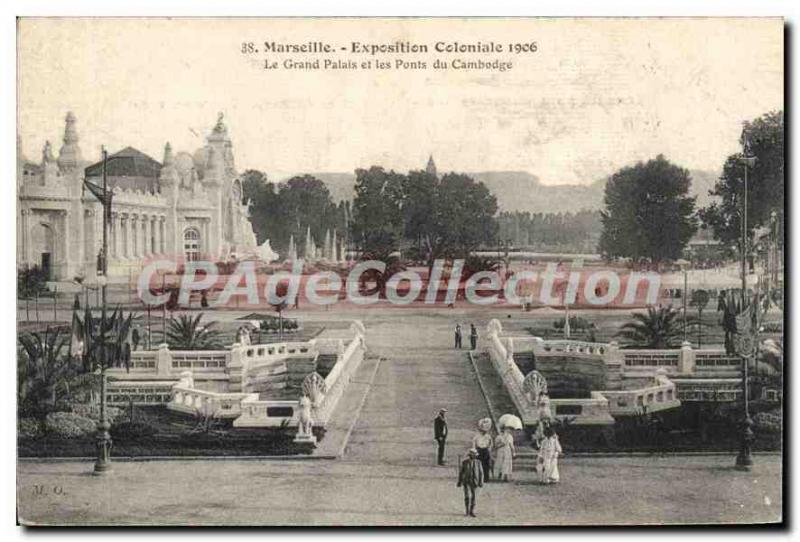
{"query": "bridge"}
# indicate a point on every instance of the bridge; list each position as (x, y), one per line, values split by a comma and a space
(598, 382)
(254, 385)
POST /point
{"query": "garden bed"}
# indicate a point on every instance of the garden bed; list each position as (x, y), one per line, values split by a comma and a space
(156, 431)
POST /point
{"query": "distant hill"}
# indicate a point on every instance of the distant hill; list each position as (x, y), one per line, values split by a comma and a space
(702, 182)
(341, 185)
(522, 191)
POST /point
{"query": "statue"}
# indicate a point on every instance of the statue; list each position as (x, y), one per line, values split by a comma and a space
(47, 153)
(543, 407)
(305, 423)
(219, 127)
(243, 336)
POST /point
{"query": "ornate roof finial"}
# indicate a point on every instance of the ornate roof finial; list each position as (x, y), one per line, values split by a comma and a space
(47, 153)
(70, 154)
(219, 128)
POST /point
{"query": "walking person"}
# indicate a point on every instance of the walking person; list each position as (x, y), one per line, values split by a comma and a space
(482, 442)
(470, 477)
(440, 434)
(547, 462)
(473, 337)
(504, 454)
(458, 336)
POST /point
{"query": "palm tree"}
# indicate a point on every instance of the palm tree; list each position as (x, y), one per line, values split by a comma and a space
(700, 299)
(186, 333)
(44, 370)
(103, 342)
(658, 328)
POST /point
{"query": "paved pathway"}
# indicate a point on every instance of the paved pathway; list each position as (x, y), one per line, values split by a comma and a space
(422, 372)
(235, 492)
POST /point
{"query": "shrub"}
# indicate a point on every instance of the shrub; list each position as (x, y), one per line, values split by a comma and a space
(768, 422)
(273, 324)
(92, 411)
(575, 323)
(31, 281)
(772, 327)
(29, 428)
(69, 425)
(132, 430)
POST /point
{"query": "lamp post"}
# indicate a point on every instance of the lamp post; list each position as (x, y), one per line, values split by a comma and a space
(684, 265)
(103, 463)
(746, 342)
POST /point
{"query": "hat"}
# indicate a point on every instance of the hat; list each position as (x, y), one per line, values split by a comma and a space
(472, 451)
(442, 410)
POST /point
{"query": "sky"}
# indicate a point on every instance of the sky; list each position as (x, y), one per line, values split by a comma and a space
(598, 94)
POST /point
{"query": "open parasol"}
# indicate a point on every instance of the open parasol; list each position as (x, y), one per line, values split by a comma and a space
(510, 420)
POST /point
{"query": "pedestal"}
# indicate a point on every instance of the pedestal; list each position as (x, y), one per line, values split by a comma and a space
(305, 439)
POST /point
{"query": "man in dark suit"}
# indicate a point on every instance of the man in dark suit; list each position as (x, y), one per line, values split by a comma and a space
(473, 337)
(470, 477)
(440, 434)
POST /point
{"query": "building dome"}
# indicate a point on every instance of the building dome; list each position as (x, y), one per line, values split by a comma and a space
(184, 163)
(201, 160)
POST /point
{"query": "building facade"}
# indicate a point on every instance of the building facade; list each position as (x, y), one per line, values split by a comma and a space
(186, 207)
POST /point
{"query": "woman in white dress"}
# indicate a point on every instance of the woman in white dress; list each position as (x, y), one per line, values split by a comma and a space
(483, 442)
(504, 454)
(547, 462)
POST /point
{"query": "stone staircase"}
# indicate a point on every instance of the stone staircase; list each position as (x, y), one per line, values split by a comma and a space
(497, 397)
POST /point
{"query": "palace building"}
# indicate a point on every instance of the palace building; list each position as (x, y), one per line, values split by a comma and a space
(187, 206)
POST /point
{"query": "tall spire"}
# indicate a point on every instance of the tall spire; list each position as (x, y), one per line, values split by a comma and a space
(69, 157)
(169, 160)
(169, 174)
(326, 247)
(430, 169)
(309, 247)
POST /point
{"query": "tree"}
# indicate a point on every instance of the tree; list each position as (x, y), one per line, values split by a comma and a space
(657, 328)
(648, 213)
(31, 281)
(186, 333)
(765, 183)
(304, 202)
(263, 201)
(280, 211)
(44, 370)
(419, 210)
(435, 218)
(699, 300)
(463, 218)
(377, 224)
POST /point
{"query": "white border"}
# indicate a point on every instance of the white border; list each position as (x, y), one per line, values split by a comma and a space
(563, 8)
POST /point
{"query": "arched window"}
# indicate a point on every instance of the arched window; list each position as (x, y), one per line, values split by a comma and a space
(191, 244)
